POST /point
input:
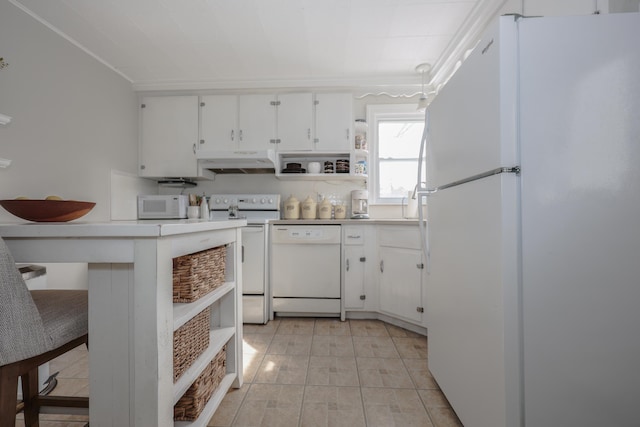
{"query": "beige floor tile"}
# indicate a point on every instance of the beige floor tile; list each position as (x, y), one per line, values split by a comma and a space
(296, 326)
(444, 417)
(256, 343)
(251, 363)
(268, 405)
(374, 347)
(380, 372)
(332, 345)
(411, 348)
(282, 369)
(396, 331)
(332, 407)
(420, 374)
(269, 329)
(337, 371)
(331, 327)
(290, 344)
(394, 407)
(229, 407)
(368, 328)
(434, 399)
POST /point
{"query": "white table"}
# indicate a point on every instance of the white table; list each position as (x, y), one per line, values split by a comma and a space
(131, 314)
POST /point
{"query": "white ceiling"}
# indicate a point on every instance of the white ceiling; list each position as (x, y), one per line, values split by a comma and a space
(196, 44)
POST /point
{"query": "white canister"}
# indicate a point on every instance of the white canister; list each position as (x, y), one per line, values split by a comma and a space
(193, 212)
(324, 209)
(292, 208)
(308, 208)
(340, 211)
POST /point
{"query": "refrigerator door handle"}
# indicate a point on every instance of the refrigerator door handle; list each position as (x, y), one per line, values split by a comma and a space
(496, 171)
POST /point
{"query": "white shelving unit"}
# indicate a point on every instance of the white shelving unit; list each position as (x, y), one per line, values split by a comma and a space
(225, 330)
(313, 156)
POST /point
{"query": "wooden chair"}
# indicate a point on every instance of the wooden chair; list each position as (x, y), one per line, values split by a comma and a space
(35, 327)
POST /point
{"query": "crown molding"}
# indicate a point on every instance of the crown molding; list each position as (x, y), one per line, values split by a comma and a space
(463, 42)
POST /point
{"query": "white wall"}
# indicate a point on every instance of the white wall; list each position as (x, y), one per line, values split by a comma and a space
(74, 120)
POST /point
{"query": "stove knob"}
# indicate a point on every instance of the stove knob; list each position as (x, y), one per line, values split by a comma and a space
(254, 200)
(217, 202)
(270, 201)
(225, 201)
(263, 200)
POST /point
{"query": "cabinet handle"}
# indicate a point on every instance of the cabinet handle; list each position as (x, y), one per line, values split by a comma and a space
(194, 148)
(233, 135)
(240, 134)
(381, 266)
(347, 265)
(308, 133)
(348, 137)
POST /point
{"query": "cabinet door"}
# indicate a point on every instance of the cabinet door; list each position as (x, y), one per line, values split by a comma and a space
(219, 122)
(334, 122)
(354, 277)
(401, 282)
(257, 122)
(295, 118)
(168, 136)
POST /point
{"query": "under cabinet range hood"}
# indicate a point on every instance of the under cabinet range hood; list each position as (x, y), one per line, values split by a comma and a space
(239, 162)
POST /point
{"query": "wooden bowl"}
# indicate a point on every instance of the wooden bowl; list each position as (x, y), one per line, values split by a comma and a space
(47, 210)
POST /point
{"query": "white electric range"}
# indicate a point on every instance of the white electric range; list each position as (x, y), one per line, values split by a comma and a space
(257, 209)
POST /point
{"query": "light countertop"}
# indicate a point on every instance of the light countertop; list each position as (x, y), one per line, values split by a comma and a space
(347, 221)
(142, 228)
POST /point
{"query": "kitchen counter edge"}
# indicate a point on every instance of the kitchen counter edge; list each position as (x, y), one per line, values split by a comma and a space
(140, 228)
(347, 221)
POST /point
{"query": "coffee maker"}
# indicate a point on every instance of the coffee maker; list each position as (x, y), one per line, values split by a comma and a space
(359, 204)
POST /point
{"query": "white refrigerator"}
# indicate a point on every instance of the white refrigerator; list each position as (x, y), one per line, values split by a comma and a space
(533, 231)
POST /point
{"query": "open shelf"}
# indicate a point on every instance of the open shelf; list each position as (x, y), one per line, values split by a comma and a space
(218, 338)
(183, 312)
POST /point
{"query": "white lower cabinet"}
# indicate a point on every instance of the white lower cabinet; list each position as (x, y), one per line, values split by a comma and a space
(358, 259)
(401, 273)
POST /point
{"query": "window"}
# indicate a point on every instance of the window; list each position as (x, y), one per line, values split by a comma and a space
(395, 132)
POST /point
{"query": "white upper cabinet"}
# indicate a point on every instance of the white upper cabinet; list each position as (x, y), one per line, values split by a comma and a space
(333, 122)
(168, 136)
(219, 122)
(295, 121)
(257, 122)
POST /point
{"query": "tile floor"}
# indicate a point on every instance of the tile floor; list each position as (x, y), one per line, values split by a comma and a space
(313, 372)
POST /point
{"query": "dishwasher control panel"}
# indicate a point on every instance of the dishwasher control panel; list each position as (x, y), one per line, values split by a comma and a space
(301, 234)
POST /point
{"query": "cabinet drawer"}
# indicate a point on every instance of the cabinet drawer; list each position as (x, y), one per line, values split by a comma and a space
(353, 235)
(400, 237)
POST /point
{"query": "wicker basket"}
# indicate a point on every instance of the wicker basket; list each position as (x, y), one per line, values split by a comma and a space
(197, 274)
(189, 341)
(196, 397)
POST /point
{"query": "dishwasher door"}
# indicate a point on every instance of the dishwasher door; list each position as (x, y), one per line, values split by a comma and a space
(305, 264)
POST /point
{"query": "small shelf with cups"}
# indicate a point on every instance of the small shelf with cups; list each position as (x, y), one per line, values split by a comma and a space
(321, 166)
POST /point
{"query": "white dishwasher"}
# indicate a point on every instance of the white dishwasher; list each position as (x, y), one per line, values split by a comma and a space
(305, 270)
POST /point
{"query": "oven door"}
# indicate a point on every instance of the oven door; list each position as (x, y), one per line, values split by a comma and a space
(254, 274)
(253, 260)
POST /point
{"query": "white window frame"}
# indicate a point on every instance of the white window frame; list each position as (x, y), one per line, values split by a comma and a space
(375, 114)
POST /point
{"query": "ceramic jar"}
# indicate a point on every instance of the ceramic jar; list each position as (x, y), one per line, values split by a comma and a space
(324, 209)
(292, 208)
(308, 208)
(340, 211)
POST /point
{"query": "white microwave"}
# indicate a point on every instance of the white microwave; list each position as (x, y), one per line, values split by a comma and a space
(162, 206)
